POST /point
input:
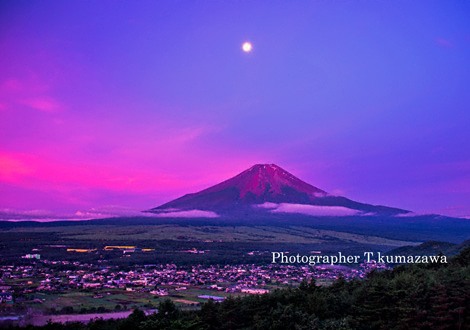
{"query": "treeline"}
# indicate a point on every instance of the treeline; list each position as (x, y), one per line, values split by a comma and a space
(408, 297)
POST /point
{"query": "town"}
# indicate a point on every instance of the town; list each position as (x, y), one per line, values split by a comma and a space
(28, 284)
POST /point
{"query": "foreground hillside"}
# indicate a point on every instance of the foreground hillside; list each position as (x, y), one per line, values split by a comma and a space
(408, 297)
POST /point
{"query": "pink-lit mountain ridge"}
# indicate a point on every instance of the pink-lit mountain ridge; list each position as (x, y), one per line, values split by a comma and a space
(269, 188)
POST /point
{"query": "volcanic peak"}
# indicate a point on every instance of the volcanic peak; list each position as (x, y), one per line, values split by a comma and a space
(260, 185)
(262, 179)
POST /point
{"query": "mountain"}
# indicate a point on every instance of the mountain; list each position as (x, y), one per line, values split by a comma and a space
(269, 188)
(430, 248)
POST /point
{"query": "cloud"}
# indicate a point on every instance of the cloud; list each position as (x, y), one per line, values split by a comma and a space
(187, 214)
(268, 205)
(44, 104)
(93, 213)
(314, 210)
(110, 211)
(28, 170)
(29, 92)
(11, 167)
(27, 213)
(410, 215)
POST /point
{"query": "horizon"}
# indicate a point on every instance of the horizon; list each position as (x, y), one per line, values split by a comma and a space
(111, 211)
(124, 107)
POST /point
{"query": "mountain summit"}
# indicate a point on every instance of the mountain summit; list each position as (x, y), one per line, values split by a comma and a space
(268, 187)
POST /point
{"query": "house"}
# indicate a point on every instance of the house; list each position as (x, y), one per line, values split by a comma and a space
(6, 297)
(32, 256)
(254, 291)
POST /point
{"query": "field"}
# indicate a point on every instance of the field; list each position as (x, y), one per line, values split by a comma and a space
(106, 300)
(292, 234)
(163, 243)
(110, 303)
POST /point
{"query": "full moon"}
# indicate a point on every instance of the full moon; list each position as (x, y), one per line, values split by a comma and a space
(247, 47)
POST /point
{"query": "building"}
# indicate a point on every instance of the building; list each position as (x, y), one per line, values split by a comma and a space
(6, 297)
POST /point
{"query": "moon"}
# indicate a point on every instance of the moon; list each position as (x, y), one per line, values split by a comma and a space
(247, 47)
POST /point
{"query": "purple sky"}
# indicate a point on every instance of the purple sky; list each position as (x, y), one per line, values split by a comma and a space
(131, 104)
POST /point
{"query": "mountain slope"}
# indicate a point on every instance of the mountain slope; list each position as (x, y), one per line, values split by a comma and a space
(268, 188)
(430, 248)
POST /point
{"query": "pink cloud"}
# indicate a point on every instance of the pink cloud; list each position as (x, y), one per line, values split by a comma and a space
(104, 150)
(46, 173)
(29, 170)
(12, 167)
(25, 83)
(29, 92)
(45, 104)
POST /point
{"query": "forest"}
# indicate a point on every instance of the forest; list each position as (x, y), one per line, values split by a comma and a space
(435, 296)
